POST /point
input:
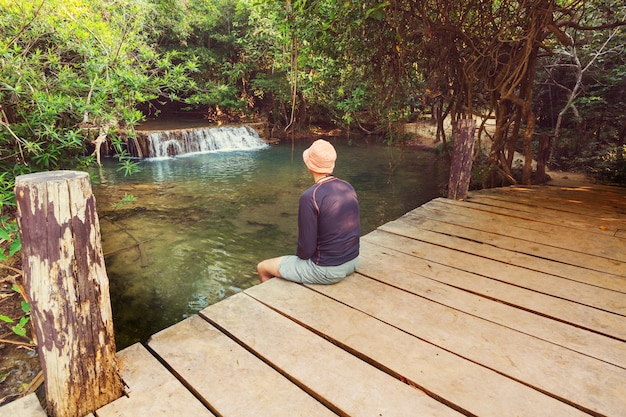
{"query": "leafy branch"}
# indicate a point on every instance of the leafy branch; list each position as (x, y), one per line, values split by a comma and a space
(19, 325)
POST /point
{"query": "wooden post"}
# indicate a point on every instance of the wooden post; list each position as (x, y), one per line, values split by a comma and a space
(68, 289)
(461, 167)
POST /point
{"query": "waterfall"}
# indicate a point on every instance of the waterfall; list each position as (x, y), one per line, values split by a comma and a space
(168, 143)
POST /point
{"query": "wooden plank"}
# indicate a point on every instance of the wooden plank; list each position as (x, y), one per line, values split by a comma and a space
(559, 203)
(588, 269)
(556, 257)
(589, 205)
(435, 222)
(551, 209)
(540, 239)
(604, 195)
(548, 215)
(339, 379)
(518, 268)
(600, 321)
(463, 384)
(230, 379)
(152, 390)
(584, 382)
(27, 406)
(608, 196)
(597, 187)
(523, 310)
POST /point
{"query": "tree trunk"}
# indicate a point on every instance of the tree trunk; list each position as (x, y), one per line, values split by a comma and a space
(528, 149)
(461, 168)
(68, 288)
(437, 114)
(527, 95)
(543, 153)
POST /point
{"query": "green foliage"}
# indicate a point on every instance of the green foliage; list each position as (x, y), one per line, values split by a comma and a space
(8, 226)
(352, 103)
(210, 38)
(126, 164)
(594, 124)
(127, 199)
(9, 233)
(610, 164)
(69, 67)
(7, 182)
(19, 328)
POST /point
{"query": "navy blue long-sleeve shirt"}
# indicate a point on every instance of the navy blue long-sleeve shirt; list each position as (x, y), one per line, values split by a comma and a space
(329, 225)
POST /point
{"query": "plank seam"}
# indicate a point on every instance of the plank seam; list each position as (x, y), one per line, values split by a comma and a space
(269, 363)
(543, 391)
(502, 281)
(521, 215)
(507, 303)
(182, 380)
(522, 287)
(501, 197)
(434, 230)
(593, 229)
(366, 358)
(523, 239)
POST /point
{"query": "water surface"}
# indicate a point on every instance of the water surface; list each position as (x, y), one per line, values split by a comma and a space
(199, 224)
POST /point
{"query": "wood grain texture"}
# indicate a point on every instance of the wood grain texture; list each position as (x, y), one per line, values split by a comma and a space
(68, 289)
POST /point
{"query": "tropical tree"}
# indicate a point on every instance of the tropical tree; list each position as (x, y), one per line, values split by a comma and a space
(580, 92)
(475, 56)
(216, 35)
(72, 72)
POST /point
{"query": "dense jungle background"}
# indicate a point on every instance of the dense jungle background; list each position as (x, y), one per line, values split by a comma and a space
(77, 76)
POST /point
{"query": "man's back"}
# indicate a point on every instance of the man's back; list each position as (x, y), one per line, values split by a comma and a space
(329, 223)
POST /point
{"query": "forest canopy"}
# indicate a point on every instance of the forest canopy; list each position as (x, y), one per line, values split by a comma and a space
(78, 73)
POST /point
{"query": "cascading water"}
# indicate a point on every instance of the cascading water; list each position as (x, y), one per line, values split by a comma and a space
(168, 143)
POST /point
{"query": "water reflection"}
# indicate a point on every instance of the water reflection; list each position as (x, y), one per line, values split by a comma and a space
(199, 224)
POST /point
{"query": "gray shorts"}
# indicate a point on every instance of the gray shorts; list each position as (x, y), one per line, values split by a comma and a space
(303, 271)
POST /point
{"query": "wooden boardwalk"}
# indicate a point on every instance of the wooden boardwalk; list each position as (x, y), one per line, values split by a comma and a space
(512, 303)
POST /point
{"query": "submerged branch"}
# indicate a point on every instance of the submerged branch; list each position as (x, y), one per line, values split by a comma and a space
(135, 245)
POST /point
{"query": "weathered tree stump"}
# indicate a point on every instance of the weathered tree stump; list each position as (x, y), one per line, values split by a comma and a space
(66, 281)
(461, 166)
